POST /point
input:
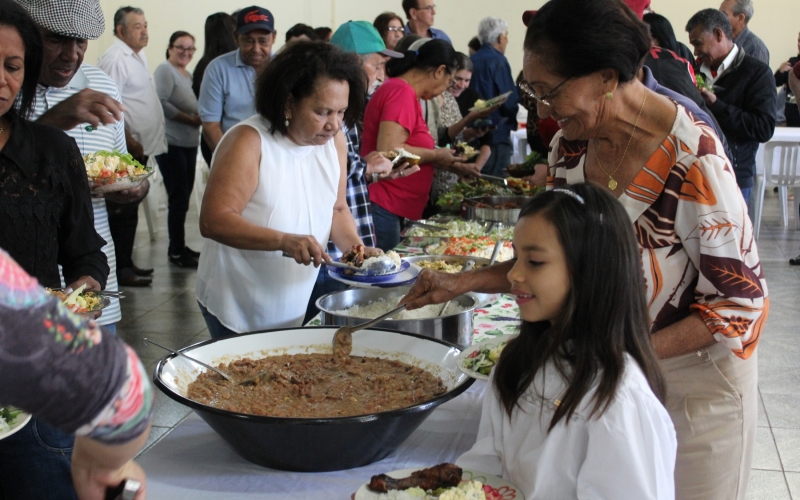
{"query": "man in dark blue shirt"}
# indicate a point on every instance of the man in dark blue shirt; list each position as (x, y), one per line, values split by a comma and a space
(491, 77)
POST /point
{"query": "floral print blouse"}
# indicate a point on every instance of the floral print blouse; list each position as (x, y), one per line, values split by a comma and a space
(698, 248)
(64, 369)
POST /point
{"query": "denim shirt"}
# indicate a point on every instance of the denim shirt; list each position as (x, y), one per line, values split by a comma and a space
(435, 34)
(491, 77)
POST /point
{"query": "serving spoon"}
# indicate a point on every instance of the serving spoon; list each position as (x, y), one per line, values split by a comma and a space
(343, 336)
(377, 268)
(468, 265)
(224, 375)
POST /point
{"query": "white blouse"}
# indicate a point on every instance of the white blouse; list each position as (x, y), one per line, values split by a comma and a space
(628, 453)
(251, 290)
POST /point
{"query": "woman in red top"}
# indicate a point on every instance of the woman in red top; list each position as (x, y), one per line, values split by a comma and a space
(393, 119)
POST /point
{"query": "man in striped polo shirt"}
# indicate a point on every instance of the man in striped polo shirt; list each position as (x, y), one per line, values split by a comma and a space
(84, 102)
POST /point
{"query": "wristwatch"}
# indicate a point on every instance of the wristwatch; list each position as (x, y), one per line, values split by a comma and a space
(374, 177)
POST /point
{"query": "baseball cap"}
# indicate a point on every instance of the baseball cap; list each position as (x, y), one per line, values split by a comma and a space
(81, 19)
(527, 16)
(254, 18)
(361, 37)
(638, 6)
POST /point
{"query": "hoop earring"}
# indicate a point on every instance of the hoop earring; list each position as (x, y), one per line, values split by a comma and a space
(609, 96)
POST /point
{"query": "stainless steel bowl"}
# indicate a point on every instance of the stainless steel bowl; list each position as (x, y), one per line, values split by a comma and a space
(470, 211)
(314, 444)
(455, 328)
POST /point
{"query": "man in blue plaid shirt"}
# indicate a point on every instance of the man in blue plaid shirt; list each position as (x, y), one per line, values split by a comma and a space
(363, 39)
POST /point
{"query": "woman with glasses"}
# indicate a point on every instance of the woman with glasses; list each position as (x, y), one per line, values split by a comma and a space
(706, 291)
(390, 27)
(177, 165)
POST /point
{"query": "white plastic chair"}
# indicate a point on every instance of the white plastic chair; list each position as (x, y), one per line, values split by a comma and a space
(779, 165)
(200, 180)
(153, 200)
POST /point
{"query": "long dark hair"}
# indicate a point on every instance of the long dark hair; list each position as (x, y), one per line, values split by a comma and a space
(174, 37)
(579, 37)
(297, 69)
(219, 39)
(16, 17)
(429, 56)
(381, 22)
(605, 315)
(661, 30)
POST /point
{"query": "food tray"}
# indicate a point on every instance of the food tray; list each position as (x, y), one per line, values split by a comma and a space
(470, 211)
(114, 184)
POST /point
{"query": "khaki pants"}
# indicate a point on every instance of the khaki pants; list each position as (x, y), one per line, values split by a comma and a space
(712, 399)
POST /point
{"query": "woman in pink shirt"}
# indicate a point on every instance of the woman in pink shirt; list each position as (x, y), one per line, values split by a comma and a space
(393, 119)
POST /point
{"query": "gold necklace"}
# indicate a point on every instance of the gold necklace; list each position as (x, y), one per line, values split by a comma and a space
(612, 184)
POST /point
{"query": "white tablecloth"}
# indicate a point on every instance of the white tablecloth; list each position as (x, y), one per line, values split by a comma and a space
(193, 462)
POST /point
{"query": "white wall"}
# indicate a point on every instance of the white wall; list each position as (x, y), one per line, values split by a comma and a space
(777, 22)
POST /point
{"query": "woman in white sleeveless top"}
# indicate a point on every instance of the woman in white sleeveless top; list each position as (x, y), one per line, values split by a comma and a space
(277, 185)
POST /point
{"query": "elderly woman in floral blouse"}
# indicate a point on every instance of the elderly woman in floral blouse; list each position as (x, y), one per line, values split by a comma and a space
(706, 291)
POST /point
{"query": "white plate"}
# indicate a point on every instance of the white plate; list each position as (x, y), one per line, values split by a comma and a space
(501, 488)
(488, 103)
(20, 422)
(488, 344)
(406, 277)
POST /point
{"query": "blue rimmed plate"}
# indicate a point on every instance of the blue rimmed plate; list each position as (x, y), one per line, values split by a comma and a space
(358, 278)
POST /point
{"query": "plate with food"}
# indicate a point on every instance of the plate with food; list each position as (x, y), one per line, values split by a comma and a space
(372, 262)
(465, 150)
(12, 420)
(82, 301)
(441, 482)
(482, 104)
(400, 156)
(478, 360)
(111, 171)
(482, 246)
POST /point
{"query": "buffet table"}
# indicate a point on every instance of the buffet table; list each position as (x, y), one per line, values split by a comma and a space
(193, 462)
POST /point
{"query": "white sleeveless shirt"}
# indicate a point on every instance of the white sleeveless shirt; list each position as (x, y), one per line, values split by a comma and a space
(250, 290)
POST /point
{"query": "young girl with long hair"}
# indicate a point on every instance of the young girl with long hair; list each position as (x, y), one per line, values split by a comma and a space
(574, 408)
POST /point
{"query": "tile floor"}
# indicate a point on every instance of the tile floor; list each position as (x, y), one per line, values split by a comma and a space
(167, 312)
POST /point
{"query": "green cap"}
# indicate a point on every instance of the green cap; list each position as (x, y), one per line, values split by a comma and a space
(362, 38)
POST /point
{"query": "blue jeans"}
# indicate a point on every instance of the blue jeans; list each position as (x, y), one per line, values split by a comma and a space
(324, 285)
(35, 463)
(746, 193)
(216, 329)
(387, 227)
(499, 161)
(177, 166)
(111, 328)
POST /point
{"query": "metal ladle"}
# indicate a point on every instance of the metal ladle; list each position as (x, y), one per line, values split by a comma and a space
(343, 336)
(209, 367)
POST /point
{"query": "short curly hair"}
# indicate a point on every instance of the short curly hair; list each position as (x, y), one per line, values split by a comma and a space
(296, 71)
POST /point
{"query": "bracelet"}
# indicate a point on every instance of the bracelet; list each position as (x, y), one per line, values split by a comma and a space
(374, 177)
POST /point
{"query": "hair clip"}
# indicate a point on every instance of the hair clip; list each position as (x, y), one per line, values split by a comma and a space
(572, 194)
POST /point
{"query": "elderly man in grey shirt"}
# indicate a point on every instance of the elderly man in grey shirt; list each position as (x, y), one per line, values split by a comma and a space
(739, 13)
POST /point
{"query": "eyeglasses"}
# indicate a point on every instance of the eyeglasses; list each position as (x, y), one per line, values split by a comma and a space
(429, 7)
(526, 87)
(191, 50)
(392, 28)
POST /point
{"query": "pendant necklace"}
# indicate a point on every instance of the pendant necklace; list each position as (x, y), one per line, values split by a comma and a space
(612, 184)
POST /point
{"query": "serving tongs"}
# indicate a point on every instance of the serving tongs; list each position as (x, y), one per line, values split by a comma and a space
(492, 178)
(468, 265)
(343, 336)
(209, 367)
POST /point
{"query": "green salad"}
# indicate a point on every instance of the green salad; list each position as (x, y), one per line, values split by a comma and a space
(702, 84)
(483, 360)
(8, 416)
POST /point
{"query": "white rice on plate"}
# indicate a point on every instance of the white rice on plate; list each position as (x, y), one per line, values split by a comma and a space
(469, 490)
(382, 306)
(394, 256)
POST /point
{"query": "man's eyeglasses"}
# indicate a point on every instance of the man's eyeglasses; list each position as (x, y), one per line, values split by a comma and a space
(190, 50)
(544, 98)
(429, 7)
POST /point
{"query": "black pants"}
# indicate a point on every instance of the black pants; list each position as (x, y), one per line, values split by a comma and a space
(177, 166)
(122, 221)
(205, 150)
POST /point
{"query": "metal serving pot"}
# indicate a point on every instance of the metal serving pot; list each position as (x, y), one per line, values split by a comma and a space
(506, 215)
(314, 444)
(455, 328)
